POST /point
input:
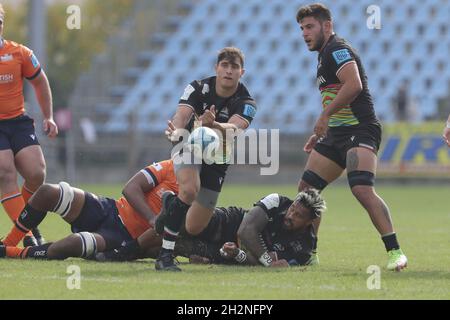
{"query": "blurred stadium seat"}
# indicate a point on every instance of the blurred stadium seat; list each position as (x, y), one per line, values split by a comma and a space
(413, 43)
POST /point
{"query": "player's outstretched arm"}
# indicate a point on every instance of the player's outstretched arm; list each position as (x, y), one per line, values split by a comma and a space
(249, 234)
(134, 191)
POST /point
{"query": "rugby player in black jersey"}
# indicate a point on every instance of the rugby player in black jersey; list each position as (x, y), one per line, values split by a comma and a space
(347, 134)
(276, 232)
(222, 103)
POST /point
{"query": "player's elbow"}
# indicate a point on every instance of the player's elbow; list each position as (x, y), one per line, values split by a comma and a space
(357, 87)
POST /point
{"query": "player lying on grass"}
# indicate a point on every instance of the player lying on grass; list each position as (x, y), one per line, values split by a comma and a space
(97, 223)
(276, 232)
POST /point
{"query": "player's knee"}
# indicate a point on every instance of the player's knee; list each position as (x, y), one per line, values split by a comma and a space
(360, 178)
(65, 199)
(7, 174)
(87, 243)
(189, 193)
(45, 197)
(35, 178)
(312, 179)
(194, 229)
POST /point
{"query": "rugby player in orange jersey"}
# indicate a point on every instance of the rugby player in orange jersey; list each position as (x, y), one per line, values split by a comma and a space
(19, 148)
(98, 223)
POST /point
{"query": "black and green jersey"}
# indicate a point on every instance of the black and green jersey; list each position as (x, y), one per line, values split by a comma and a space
(334, 56)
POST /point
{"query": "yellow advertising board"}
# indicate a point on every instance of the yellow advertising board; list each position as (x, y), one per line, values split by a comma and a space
(415, 150)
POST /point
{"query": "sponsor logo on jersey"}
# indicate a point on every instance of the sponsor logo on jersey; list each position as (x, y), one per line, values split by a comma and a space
(5, 78)
(157, 166)
(32, 136)
(341, 56)
(34, 61)
(249, 111)
(296, 246)
(6, 57)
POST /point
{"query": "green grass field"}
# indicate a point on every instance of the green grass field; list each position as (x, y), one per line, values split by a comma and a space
(348, 245)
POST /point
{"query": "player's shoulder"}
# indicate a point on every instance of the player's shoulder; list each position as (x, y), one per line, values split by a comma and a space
(165, 165)
(275, 200)
(10, 46)
(336, 44)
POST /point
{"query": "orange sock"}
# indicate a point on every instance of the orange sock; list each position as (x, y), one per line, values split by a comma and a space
(14, 236)
(16, 252)
(13, 204)
(26, 193)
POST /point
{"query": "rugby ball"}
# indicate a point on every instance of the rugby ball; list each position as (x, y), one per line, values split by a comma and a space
(204, 143)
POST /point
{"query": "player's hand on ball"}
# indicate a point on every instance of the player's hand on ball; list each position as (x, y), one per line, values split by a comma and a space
(208, 117)
(171, 132)
(309, 146)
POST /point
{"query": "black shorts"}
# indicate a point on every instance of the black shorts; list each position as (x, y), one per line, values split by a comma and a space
(17, 133)
(212, 176)
(100, 215)
(223, 226)
(341, 139)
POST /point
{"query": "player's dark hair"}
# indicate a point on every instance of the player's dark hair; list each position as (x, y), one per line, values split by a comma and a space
(315, 10)
(311, 199)
(230, 54)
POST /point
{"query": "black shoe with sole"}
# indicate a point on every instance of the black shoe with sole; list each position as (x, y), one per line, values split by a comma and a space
(39, 238)
(166, 262)
(29, 241)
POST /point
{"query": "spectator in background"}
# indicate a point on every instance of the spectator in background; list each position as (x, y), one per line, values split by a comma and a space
(403, 102)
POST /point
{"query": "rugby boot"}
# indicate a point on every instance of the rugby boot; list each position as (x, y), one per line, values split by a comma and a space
(397, 260)
(39, 238)
(166, 262)
(29, 241)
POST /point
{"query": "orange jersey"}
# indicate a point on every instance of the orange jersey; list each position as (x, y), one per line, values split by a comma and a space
(162, 176)
(16, 62)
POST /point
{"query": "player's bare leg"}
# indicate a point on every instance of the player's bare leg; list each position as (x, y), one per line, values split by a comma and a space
(174, 210)
(197, 218)
(30, 163)
(66, 201)
(11, 197)
(326, 170)
(318, 173)
(361, 168)
(8, 185)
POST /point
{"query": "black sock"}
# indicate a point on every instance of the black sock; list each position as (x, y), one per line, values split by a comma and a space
(38, 252)
(390, 242)
(30, 218)
(177, 212)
